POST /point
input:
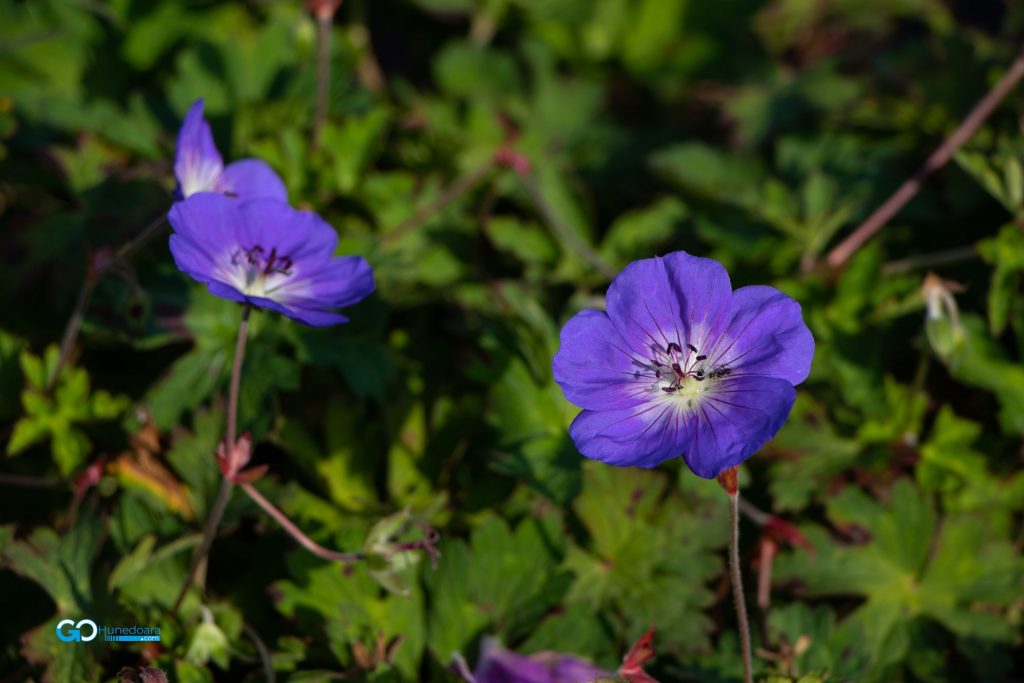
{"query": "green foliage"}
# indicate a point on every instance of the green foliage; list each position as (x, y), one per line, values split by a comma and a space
(911, 568)
(57, 413)
(495, 160)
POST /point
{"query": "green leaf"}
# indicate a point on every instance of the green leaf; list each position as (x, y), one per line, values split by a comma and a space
(637, 234)
(208, 643)
(911, 567)
(27, 431)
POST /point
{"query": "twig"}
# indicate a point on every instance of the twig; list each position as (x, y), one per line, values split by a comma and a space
(221, 503)
(563, 232)
(92, 277)
(838, 257)
(447, 196)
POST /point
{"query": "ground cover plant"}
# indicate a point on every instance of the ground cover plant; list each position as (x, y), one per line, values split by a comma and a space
(418, 340)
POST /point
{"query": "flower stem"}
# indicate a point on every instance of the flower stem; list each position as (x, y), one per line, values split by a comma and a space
(221, 503)
(95, 272)
(324, 21)
(737, 585)
(295, 532)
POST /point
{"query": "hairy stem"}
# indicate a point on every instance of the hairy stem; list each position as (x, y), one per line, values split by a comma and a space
(295, 532)
(838, 257)
(221, 503)
(93, 275)
(737, 585)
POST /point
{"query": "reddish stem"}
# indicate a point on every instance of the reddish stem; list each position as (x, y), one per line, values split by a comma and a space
(838, 257)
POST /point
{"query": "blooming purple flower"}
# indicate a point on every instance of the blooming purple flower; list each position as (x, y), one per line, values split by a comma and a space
(200, 168)
(498, 665)
(680, 364)
(265, 253)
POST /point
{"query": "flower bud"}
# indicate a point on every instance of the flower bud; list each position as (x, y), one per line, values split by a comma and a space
(942, 318)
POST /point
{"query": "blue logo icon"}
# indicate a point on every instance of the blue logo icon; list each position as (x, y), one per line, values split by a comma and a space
(72, 635)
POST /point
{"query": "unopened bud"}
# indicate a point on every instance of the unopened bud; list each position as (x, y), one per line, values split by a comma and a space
(323, 9)
(942, 317)
(729, 479)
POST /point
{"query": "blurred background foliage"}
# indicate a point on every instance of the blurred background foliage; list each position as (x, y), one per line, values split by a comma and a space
(496, 161)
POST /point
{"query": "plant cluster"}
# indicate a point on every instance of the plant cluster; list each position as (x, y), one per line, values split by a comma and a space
(519, 209)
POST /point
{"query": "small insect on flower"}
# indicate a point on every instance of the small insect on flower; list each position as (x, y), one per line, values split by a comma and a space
(680, 364)
(265, 253)
(199, 167)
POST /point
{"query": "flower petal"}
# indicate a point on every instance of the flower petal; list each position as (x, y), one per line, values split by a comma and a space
(253, 179)
(766, 336)
(593, 366)
(211, 221)
(345, 281)
(310, 316)
(302, 236)
(191, 258)
(197, 163)
(641, 436)
(644, 309)
(735, 419)
(704, 294)
(226, 291)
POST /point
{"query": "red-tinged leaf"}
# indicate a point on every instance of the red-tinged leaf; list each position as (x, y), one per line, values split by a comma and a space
(251, 475)
(632, 664)
(784, 532)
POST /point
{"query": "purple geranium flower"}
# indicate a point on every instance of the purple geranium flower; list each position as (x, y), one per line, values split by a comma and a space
(265, 253)
(200, 168)
(682, 365)
(498, 665)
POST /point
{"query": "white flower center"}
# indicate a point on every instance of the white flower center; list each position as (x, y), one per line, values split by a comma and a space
(255, 272)
(681, 374)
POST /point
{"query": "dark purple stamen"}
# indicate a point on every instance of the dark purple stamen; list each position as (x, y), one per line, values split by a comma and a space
(691, 347)
(270, 264)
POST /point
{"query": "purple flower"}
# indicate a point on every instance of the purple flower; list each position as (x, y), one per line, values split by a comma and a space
(498, 665)
(682, 365)
(200, 168)
(268, 254)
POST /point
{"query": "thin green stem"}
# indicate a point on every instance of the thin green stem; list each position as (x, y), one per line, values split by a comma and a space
(737, 586)
(221, 503)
